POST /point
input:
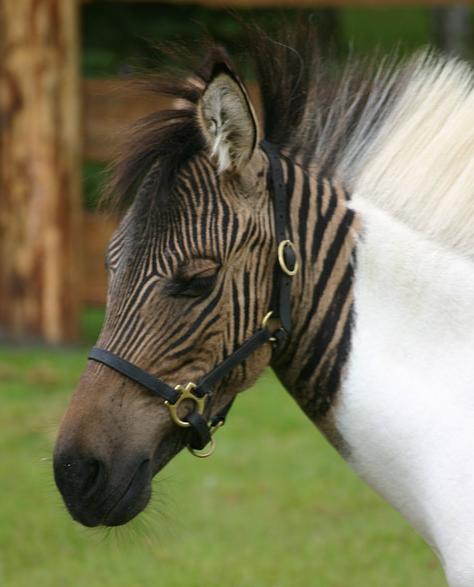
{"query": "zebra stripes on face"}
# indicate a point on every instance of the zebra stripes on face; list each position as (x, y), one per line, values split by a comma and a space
(209, 227)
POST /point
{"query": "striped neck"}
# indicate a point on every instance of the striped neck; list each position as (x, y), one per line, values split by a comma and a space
(325, 231)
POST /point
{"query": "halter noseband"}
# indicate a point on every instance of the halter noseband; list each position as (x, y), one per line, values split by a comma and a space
(285, 268)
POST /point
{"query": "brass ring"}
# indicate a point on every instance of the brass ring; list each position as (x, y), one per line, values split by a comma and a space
(186, 394)
(202, 454)
(211, 444)
(216, 427)
(265, 320)
(281, 258)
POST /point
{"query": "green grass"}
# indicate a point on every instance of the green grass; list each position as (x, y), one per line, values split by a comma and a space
(274, 507)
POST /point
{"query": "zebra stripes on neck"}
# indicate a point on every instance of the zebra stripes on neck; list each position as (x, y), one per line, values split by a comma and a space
(326, 232)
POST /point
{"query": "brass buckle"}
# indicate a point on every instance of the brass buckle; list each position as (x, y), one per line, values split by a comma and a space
(281, 258)
(186, 393)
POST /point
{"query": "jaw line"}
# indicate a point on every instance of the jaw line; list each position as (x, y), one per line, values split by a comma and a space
(169, 446)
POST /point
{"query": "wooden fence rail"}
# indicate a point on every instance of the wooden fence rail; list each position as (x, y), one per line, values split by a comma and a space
(110, 107)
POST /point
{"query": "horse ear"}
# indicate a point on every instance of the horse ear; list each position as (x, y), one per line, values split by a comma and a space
(227, 119)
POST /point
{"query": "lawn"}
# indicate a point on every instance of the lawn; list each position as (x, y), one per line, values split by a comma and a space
(274, 507)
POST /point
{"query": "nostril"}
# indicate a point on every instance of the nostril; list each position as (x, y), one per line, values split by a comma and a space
(99, 491)
(94, 477)
(79, 477)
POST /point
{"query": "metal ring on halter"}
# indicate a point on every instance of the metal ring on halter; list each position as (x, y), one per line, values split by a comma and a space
(281, 258)
(186, 394)
(201, 453)
(265, 320)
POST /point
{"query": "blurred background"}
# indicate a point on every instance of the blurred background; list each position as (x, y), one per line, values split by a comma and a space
(275, 506)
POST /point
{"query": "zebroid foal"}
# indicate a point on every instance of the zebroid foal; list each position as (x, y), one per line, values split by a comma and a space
(335, 244)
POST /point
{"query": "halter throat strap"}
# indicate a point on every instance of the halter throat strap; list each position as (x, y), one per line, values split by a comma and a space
(201, 429)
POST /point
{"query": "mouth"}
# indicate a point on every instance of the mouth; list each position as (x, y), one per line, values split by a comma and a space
(99, 495)
(112, 506)
(133, 499)
(137, 494)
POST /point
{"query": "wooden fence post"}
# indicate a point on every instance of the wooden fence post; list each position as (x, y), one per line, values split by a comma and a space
(40, 208)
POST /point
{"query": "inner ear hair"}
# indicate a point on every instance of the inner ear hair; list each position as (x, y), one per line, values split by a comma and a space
(228, 122)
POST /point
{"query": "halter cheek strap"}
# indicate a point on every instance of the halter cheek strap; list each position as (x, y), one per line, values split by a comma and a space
(286, 267)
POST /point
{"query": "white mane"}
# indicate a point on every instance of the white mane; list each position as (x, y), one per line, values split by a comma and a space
(419, 163)
(406, 406)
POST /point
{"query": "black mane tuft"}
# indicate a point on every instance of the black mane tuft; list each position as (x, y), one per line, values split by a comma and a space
(310, 110)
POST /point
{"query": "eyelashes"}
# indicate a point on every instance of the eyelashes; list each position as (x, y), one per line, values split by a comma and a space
(194, 279)
(181, 286)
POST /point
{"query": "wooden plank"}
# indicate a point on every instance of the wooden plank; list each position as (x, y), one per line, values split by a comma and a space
(110, 107)
(39, 170)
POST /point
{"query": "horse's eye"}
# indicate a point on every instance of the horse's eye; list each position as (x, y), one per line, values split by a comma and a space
(191, 287)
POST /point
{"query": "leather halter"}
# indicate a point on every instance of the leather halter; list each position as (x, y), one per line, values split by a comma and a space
(285, 268)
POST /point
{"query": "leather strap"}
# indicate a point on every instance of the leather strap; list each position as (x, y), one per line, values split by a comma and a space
(282, 282)
(152, 383)
(200, 435)
(245, 350)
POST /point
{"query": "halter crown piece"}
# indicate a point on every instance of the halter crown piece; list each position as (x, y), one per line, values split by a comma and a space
(201, 442)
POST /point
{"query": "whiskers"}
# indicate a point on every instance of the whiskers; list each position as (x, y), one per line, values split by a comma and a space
(149, 529)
